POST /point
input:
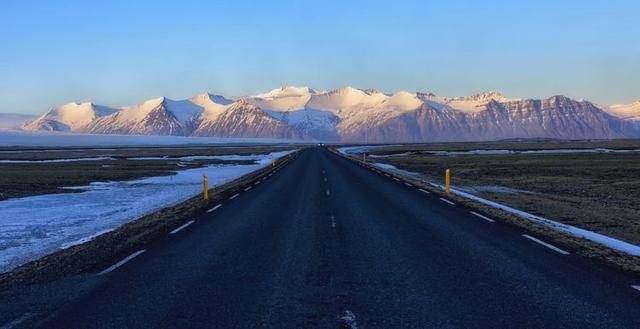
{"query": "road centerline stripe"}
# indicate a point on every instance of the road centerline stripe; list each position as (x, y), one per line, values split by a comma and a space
(552, 247)
(483, 217)
(122, 262)
(447, 201)
(214, 208)
(182, 227)
(234, 196)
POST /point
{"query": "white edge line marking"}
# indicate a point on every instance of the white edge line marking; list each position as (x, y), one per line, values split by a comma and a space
(182, 227)
(636, 288)
(424, 191)
(247, 188)
(234, 196)
(214, 208)
(408, 184)
(396, 179)
(483, 217)
(122, 262)
(447, 201)
(554, 248)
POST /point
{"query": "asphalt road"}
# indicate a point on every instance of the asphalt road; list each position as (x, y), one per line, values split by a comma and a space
(326, 243)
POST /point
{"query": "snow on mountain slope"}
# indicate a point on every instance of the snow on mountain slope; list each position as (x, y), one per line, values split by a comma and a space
(283, 99)
(243, 119)
(69, 117)
(14, 121)
(471, 104)
(320, 125)
(212, 105)
(346, 101)
(626, 111)
(158, 116)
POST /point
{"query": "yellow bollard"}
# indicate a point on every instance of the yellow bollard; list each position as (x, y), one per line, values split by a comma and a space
(205, 187)
(447, 180)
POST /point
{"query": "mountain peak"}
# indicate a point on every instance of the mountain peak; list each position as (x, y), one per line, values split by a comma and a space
(288, 91)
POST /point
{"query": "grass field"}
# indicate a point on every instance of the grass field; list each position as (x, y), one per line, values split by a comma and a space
(596, 191)
(27, 179)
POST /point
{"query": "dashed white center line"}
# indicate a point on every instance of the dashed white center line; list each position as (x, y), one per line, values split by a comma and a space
(248, 188)
(183, 227)
(636, 288)
(386, 175)
(395, 179)
(408, 184)
(122, 262)
(333, 221)
(483, 217)
(325, 179)
(425, 191)
(264, 178)
(447, 201)
(328, 193)
(214, 208)
(552, 247)
(234, 196)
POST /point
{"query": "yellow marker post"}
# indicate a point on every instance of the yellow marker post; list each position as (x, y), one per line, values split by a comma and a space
(447, 180)
(205, 187)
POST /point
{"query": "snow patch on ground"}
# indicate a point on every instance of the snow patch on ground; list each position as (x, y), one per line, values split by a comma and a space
(575, 231)
(58, 139)
(58, 160)
(32, 227)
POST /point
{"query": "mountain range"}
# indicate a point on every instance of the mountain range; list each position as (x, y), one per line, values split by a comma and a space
(351, 115)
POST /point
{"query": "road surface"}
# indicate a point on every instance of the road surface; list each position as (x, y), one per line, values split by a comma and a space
(327, 243)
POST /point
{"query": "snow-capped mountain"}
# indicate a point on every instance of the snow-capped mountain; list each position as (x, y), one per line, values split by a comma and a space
(350, 114)
(69, 117)
(626, 111)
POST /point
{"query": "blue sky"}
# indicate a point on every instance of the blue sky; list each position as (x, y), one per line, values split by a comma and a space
(123, 52)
